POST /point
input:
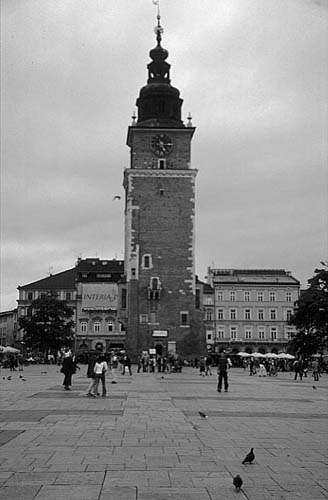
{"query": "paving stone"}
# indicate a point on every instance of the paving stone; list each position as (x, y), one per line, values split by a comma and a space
(59, 492)
(19, 492)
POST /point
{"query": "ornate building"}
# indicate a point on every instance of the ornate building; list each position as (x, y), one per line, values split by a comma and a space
(95, 290)
(160, 220)
(248, 309)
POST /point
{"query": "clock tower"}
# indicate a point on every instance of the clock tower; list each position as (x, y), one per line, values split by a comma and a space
(160, 220)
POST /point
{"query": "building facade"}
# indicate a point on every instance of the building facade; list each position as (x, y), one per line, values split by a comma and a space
(8, 327)
(95, 290)
(160, 220)
(248, 309)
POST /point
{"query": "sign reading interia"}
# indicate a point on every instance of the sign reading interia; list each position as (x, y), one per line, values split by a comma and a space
(99, 297)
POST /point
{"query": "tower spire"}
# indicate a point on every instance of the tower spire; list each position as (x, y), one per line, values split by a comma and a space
(159, 103)
(158, 29)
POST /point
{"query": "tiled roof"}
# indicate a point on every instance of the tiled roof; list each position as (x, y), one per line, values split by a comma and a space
(64, 280)
(67, 279)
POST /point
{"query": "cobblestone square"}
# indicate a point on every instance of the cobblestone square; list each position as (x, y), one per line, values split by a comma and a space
(147, 441)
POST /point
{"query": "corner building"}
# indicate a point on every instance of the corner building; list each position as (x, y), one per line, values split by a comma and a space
(160, 220)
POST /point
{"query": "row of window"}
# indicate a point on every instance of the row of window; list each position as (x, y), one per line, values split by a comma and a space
(248, 334)
(42, 295)
(248, 296)
(96, 326)
(261, 316)
(151, 318)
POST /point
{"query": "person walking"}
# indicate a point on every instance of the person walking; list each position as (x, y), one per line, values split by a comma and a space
(208, 363)
(315, 370)
(298, 369)
(91, 375)
(224, 364)
(262, 370)
(252, 366)
(100, 369)
(126, 364)
(202, 366)
(68, 368)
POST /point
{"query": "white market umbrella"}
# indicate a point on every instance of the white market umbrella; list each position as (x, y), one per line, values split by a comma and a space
(289, 356)
(282, 355)
(243, 354)
(257, 355)
(270, 355)
(9, 349)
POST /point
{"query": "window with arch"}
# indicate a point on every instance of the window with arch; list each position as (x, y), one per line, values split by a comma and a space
(84, 326)
(154, 284)
(110, 326)
(96, 326)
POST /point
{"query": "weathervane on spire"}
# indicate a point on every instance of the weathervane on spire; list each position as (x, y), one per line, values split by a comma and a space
(158, 29)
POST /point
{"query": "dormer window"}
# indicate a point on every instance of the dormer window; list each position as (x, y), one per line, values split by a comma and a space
(161, 164)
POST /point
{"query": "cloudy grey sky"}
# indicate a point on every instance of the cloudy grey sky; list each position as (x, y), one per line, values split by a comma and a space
(254, 75)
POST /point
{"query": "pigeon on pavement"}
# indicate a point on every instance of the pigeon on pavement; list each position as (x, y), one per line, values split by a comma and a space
(9, 378)
(237, 482)
(203, 415)
(249, 457)
(314, 387)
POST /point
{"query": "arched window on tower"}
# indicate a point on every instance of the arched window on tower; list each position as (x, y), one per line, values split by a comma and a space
(154, 289)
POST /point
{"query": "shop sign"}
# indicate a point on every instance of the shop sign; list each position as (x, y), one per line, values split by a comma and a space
(99, 296)
(159, 333)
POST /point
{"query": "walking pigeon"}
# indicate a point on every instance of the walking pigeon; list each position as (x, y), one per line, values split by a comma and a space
(117, 197)
(203, 415)
(237, 482)
(314, 387)
(249, 457)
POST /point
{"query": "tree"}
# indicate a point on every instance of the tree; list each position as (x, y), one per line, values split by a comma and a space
(311, 315)
(49, 325)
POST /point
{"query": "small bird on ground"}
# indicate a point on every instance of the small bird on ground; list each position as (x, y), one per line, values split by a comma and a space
(314, 387)
(23, 379)
(162, 376)
(249, 457)
(237, 482)
(114, 382)
(44, 372)
(21, 376)
(203, 415)
(117, 197)
(9, 378)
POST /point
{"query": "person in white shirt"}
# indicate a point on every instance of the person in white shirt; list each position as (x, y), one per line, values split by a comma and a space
(100, 370)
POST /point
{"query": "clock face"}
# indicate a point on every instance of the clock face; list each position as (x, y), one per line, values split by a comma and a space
(161, 145)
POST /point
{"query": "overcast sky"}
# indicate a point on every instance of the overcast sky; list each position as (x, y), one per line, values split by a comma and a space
(254, 75)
